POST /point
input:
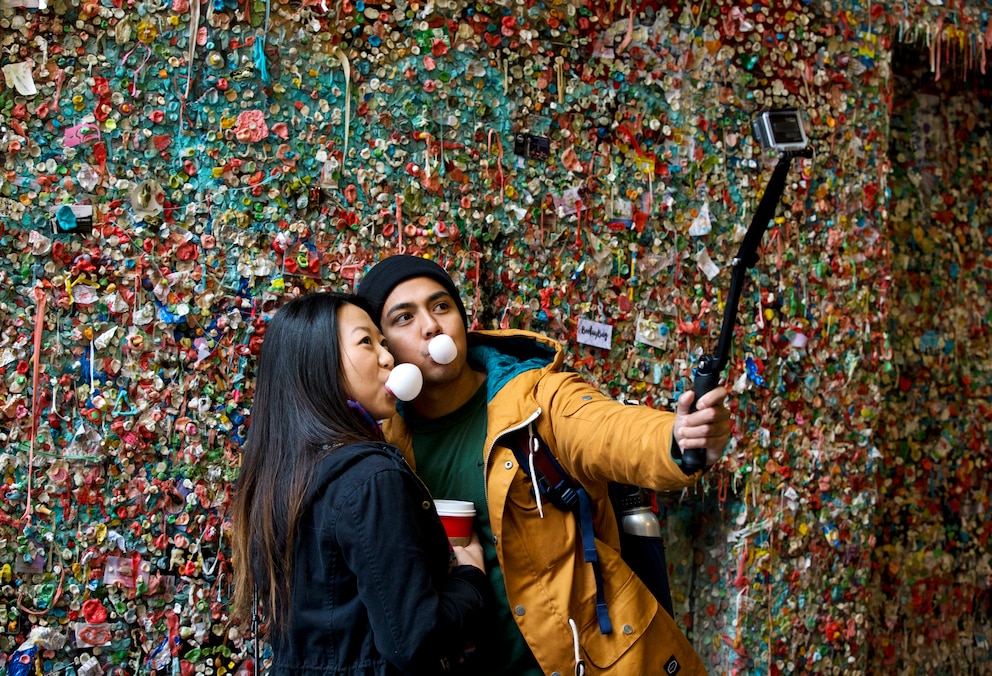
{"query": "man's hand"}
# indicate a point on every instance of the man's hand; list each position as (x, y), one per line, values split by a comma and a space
(707, 427)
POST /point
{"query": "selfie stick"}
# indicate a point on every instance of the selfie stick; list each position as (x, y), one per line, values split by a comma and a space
(711, 366)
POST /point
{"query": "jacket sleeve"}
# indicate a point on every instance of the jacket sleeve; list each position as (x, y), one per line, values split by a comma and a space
(600, 439)
(416, 616)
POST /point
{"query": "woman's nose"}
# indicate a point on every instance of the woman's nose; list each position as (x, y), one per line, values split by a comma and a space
(385, 358)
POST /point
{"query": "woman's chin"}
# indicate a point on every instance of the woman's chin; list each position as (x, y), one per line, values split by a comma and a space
(384, 409)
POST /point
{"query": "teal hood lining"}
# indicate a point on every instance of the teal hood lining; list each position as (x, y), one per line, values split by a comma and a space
(502, 367)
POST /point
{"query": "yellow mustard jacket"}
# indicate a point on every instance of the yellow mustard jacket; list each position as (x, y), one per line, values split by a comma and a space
(597, 440)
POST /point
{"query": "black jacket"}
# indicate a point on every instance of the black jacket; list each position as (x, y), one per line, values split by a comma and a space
(371, 588)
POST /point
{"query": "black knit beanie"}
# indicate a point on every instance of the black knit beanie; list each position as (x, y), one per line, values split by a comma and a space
(388, 273)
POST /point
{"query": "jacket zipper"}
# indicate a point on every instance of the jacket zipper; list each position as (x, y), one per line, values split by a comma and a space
(485, 468)
(415, 475)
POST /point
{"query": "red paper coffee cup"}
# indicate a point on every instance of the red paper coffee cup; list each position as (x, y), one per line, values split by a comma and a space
(458, 517)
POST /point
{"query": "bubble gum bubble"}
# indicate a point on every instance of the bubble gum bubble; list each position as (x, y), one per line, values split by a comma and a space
(405, 381)
(442, 349)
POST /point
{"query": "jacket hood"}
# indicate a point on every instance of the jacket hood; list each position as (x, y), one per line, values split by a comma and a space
(506, 354)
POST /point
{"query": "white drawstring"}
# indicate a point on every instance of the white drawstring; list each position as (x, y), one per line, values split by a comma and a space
(580, 666)
(533, 474)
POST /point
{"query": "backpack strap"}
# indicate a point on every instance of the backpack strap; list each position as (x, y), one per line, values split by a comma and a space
(553, 483)
(589, 550)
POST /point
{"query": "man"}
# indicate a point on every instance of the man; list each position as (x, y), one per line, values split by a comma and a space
(456, 435)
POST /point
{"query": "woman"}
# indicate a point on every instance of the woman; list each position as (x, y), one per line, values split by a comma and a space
(339, 539)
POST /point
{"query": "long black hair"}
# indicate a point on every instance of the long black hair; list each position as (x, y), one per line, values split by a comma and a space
(299, 412)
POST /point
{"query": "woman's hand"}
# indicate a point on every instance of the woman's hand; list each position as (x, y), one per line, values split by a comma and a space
(470, 554)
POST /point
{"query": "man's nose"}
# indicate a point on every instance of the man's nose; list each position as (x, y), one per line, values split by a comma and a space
(431, 326)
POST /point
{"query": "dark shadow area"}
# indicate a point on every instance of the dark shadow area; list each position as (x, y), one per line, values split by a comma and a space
(931, 570)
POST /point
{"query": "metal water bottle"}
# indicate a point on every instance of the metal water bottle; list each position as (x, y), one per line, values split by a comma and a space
(636, 516)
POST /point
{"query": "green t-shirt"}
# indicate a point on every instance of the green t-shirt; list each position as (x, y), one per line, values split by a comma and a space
(449, 453)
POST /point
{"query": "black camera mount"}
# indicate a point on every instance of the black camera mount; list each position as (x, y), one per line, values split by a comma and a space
(710, 366)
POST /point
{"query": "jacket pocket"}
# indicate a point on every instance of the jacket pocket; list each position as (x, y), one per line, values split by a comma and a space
(632, 612)
(645, 639)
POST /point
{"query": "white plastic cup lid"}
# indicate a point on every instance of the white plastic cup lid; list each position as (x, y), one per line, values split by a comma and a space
(455, 507)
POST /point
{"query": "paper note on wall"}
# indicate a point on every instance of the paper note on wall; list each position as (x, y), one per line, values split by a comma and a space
(595, 333)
